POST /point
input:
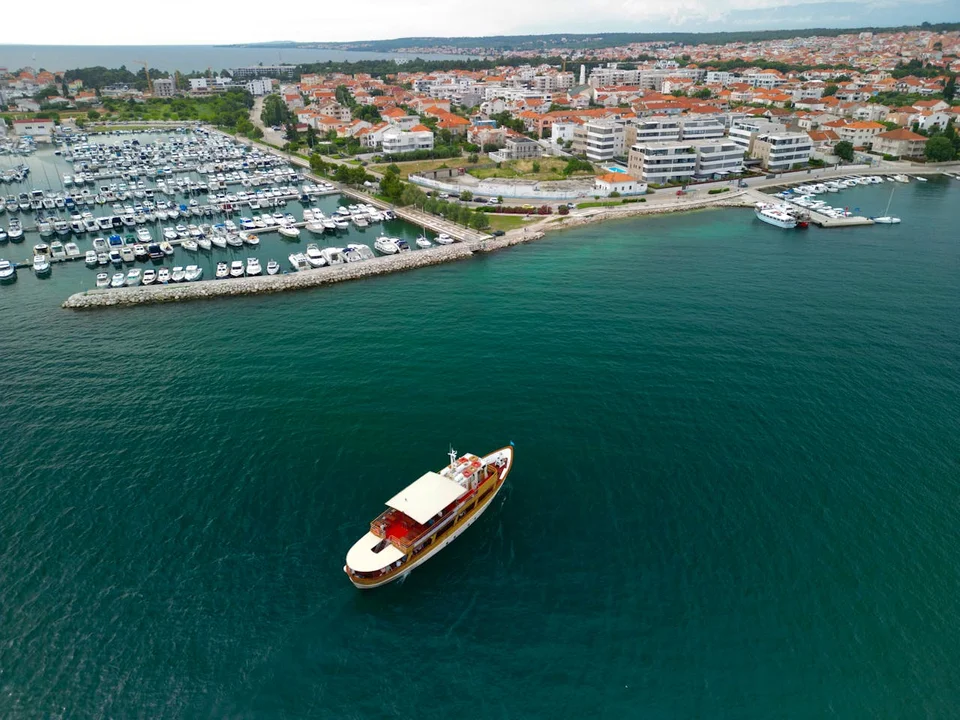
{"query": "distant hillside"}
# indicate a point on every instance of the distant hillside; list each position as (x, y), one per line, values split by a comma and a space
(507, 43)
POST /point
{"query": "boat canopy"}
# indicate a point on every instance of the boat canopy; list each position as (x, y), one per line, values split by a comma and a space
(371, 553)
(426, 497)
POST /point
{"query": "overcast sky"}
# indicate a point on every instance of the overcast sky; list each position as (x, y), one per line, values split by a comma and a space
(175, 22)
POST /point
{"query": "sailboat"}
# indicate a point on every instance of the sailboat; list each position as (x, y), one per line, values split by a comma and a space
(886, 219)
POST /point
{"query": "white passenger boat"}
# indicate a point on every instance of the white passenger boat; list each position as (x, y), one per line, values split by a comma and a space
(426, 516)
(775, 216)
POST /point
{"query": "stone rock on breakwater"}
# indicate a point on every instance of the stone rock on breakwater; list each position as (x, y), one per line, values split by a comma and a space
(120, 297)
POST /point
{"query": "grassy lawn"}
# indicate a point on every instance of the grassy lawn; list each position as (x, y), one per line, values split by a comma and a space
(416, 166)
(507, 222)
(550, 169)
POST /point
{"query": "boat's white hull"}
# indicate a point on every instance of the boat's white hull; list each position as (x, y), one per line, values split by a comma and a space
(456, 533)
(784, 223)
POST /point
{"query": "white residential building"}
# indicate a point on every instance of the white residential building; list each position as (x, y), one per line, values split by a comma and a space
(603, 140)
(260, 86)
(663, 162)
(719, 77)
(718, 158)
(34, 128)
(779, 151)
(397, 141)
(561, 132)
(517, 148)
(657, 130)
(742, 132)
(701, 128)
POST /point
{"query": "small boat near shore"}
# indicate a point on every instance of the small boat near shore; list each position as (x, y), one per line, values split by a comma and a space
(773, 215)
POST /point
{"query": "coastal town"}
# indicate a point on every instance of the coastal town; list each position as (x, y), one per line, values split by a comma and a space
(636, 129)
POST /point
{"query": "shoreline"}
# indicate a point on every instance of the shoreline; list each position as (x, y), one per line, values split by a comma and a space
(231, 287)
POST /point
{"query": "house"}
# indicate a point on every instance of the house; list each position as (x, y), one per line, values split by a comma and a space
(485, 135)
(396, 141)
(27, 105)
(930, 105)
(900, 143)
(621, 183)
(372, 137)
(823, 139)
(517, 148)
(38, 129)
(860, 133)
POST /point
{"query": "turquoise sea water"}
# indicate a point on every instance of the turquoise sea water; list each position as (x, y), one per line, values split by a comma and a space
(735, 490)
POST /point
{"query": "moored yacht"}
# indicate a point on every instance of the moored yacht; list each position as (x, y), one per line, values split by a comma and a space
(775, 216)
(236, 269)
(103, 280)
(427, 516)
(386, 245)
(253, 266)
(223, 270)
(8, 271)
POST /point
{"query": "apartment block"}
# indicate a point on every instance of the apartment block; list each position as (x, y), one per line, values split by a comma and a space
(663, 162)
(779, 151)
(603, 140)
(693, 128)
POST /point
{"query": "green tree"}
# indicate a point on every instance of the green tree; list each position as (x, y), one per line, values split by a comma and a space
(844, 150)
(473, 158)
(536, 166)
(703, 93)
(830, 90)
(950, 89)
(93, 115)
(466, 195)
(939, 149)
(310, 137)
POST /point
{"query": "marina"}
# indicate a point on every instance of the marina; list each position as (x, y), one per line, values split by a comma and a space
(152, 199)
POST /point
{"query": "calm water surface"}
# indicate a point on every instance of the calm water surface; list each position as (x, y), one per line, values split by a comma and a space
(735, 493)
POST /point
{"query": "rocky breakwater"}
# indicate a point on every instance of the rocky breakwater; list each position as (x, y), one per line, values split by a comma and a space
(207, 289)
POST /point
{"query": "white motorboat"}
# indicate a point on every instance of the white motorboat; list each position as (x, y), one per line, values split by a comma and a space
(250, 239)
(362, 250)
(219, 241)
(236, 269)
(167, 248)
(273, 267)
(90, 258)
(316, 227)
(177, 274)
(126, 254)
(118, 280)
(170, 234)
(422, 242)
(298, 261)
(253, 266)
(189, 245)
(45, 228)
(288, 231)
(143, 235)
(149, 276)
(333, 256)
(193, 273)
(234, 240)
(133, 277)
(314, 257)
(8, 271)
(103, 280)
(204, 243)
(444, 239)
(386, 245)
(163, 275)
(901, 178)
(223, 270)
(100, 245)
(72, 249)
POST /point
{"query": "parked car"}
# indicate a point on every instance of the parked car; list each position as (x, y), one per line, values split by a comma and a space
(497, 233)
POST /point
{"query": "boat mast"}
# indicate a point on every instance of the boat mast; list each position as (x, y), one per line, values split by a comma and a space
(453, 458)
